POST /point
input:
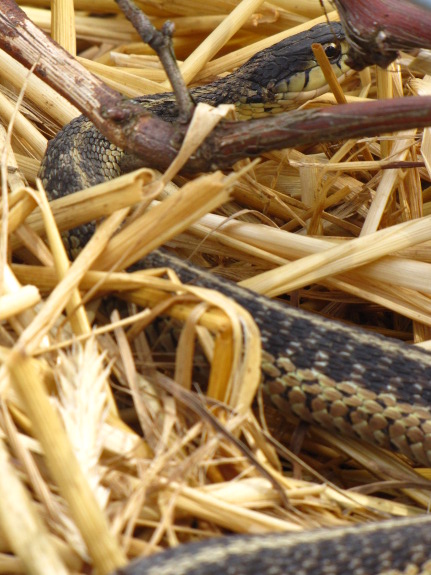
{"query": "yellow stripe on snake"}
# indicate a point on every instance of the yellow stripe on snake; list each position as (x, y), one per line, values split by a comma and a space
(341, 378)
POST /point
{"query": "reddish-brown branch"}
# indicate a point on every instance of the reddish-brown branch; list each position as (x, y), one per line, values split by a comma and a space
(322, 125)
(28, 44)
(377, 30)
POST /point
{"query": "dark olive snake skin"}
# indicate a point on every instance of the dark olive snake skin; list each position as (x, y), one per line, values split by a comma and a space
(398, 547)
(342, 378)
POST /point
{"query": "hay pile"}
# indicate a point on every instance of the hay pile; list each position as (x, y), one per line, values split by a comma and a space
(99, 460)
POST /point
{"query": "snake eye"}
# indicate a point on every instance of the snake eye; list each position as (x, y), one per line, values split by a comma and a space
(332, 51)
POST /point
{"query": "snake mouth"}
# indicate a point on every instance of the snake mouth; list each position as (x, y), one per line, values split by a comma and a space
(299, 87)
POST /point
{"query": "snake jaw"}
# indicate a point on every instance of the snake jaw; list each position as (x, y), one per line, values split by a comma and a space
(289, 87)
(312, 78)
(281, 101)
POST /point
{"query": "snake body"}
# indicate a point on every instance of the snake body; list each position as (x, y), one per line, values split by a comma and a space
(396, 547)
(344, 379)
(339, 377)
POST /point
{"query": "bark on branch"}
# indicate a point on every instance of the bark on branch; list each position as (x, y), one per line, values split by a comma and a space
(377, 30)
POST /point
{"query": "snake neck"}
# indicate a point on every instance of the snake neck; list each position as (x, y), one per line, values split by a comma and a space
(272, 81)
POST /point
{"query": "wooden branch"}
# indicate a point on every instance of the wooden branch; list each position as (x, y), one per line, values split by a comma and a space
(377, 30)
(128, 125)
(25, 42)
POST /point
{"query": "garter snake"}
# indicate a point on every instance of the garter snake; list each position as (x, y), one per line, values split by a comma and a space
(339, 377)
(269, 82)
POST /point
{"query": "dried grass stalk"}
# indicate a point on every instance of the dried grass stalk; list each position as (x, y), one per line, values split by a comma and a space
(63, 24)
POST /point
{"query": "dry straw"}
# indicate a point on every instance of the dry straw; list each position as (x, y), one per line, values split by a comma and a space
(331, 225)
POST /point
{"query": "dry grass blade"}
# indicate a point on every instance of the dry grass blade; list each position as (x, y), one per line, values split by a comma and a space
(218, 38)
(27, 535)
(146, 232)
(37, 91)
(63, 464)
(63, 25)
(335, 260)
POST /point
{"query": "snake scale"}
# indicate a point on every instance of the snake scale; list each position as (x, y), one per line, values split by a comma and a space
(339, 377)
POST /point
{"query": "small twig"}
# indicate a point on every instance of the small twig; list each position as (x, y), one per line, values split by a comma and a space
(161, 43)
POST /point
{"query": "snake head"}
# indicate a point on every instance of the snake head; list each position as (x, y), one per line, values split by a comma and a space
(287, 72)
